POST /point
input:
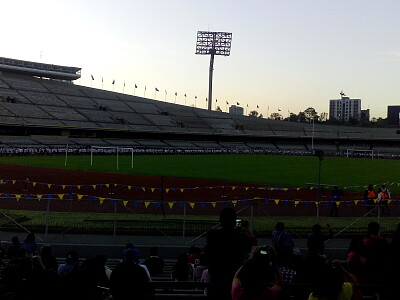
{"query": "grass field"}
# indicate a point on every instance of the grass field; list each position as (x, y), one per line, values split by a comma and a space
(262, 169)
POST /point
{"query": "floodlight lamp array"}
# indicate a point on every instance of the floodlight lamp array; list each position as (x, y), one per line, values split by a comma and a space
(217, 43)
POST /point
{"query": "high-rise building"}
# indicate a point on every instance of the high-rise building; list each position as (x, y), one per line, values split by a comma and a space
(345, 108)
(393, 115)
(236, 110)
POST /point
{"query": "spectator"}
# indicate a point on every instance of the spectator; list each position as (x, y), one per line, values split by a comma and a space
(154, 263)
(14, 248)
(376, 252)
(182, 270)
(194, 255)
(48, 259)
(129, 280)
(29, 245)
(283, 244)
(316, 240)
(135, 252)
(227, 248)
(71, 263)
(200, 268)
(356, 259)
(259, 277)
(394, 266)
(332, 283)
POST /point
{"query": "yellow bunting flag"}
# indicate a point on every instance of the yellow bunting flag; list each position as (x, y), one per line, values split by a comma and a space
(337, 203)
(233, 188)
(79, 187)
(61, 196)
(49, 185)
(63, 186)
(191, 204)
(79, 197)
(234, 203)
(298, 189)
(311, 187)
(94, 186)
(316, 204)
(129, 187)
(296, 202)
(101, 200)
(39, 197)
(276, 202)
(115, 184)
(246, 188)
(214, 204)
(14, 181)
(389, 201)
(285, 189)
(107, 185)
(356, 202)
(144, 189)
(167, 190)
(17, 197)
(125, 202)
(152, 189)
(146, 203)
(182, 190)
(170, 204)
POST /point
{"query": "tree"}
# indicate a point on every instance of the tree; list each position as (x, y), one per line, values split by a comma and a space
(253, 113)
(310, 114)
(276, 116)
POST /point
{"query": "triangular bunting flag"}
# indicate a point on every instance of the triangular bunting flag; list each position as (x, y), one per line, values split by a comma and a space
(129, 187)
(61, 196)
(214, 204)
(356, 202)
(296, 202)
(79, 196)
(146, 203)
(181, 190)
(276, 202)
(63, 186)
(39, 197)
(191, 204)
(167, 190)
(94, 186)
(170, 204)
(152, 189)
(49, 185)
(125, 202)
(337, 203)
(17, 197)
(101, 200)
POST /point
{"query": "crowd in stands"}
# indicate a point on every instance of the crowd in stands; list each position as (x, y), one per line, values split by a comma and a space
(232, 264)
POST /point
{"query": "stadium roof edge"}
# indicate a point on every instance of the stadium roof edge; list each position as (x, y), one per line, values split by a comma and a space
(39, 69)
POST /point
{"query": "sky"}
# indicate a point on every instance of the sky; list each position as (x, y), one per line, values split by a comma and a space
(287, 54)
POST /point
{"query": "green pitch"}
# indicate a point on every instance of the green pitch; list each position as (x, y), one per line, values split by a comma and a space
(282, 170)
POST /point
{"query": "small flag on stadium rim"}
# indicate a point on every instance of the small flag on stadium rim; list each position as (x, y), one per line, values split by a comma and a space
(113, 81)
(185, 95)
(237, 103)
(165, 92)
(157, 90)
(135, 86)
(279, 109)
(92, 77)
(216, 100)
(247, 105)
(227, 102)
(257, 106)
(195, 97)
(206, 99)
(176, 94)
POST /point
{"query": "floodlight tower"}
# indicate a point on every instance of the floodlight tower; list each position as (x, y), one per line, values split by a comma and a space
(213, 43)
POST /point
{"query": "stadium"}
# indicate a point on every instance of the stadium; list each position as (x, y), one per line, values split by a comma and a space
(44, 114)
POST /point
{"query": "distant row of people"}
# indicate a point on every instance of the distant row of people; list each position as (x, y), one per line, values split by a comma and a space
(380, 197)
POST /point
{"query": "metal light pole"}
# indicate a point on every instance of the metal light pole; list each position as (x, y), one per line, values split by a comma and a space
(213, 43)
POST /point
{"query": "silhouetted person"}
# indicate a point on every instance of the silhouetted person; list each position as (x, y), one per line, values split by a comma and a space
(154, 263)
(226, 250)
(129, 280)
(14, 248)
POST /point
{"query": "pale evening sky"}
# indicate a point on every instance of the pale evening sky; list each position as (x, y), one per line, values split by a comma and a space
(285, 54)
